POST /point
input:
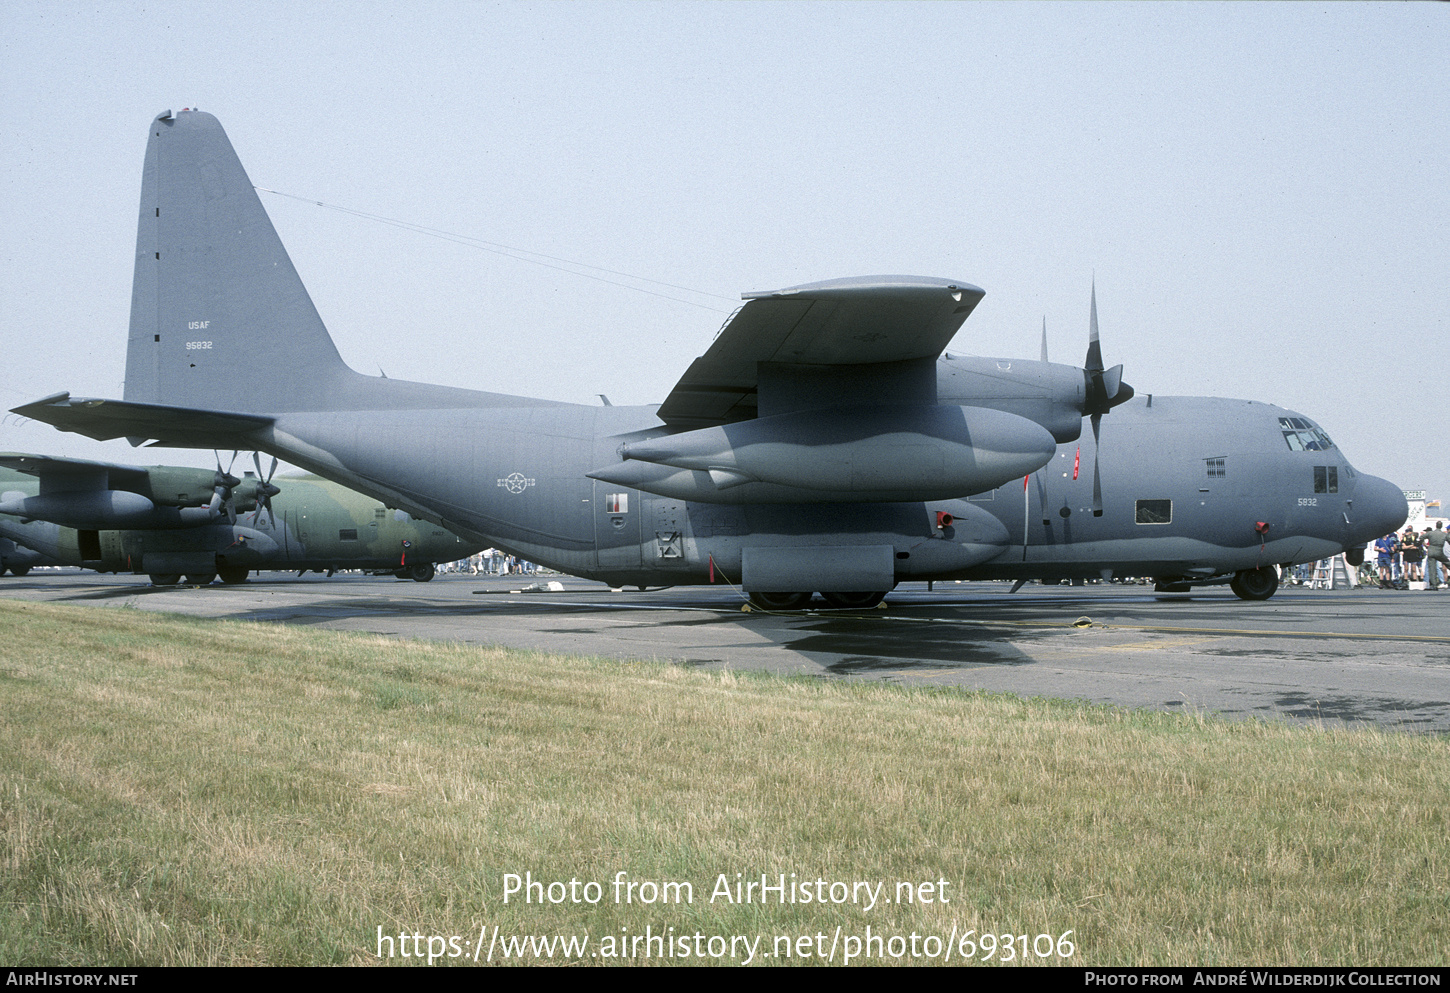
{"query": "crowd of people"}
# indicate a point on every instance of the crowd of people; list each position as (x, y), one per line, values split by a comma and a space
(491, 562)
(1411, 557)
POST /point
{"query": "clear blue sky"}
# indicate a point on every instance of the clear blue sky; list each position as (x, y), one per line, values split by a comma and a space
(1262, 190)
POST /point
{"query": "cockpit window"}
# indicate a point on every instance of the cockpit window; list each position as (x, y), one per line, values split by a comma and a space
(1154, 512)
(1301, 436)
(1326, 479)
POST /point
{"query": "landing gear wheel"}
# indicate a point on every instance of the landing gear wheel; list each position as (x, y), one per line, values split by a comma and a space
(19, 570)
(781, 601)
(420, 573)
(165, 578)
(200, 578)
(853, 601)
(1255, 584)
(233, 574)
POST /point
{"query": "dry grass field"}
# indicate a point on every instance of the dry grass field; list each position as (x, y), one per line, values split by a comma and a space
(179, 792)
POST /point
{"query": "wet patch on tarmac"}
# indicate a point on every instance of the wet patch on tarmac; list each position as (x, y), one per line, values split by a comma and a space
(1357, 710)
(917, 647)
(854, 664)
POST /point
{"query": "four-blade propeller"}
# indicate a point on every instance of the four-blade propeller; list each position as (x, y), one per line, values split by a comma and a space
(265, 491)
(225, 483)
(1105, 389)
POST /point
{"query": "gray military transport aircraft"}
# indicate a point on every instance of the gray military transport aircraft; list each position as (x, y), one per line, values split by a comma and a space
(823, 443)
(170, 522)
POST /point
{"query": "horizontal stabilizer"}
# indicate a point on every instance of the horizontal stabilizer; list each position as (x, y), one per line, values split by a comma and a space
(173, 427)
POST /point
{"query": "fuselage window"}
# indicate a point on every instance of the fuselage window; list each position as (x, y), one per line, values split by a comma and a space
(1154, 512)
(347, 534)
(1216, 468)
(1326, 479)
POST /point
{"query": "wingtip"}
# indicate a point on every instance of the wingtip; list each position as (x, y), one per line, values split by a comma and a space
(863, 284)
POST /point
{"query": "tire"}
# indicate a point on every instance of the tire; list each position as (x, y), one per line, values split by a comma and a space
(1255, 584)
(19, 570)
(853, 601)
(165, 578)
(233, 574)
(200, 578)
(780, 601)
(421, 573)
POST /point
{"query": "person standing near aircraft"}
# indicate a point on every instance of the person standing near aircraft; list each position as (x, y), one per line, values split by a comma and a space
(1435, 557)
(1385, 548)
(1413, 554)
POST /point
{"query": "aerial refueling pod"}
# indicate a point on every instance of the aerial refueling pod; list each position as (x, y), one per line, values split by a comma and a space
(846, 454)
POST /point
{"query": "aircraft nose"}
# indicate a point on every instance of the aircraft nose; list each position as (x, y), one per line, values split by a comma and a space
(1379, 508)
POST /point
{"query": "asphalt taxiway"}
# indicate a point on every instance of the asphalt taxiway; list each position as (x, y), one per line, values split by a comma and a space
(1355, 656)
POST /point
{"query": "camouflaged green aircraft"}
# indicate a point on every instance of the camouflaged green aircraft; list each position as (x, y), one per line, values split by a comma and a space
(171, 522)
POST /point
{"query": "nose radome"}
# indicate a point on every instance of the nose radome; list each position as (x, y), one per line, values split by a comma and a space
(1379, 508)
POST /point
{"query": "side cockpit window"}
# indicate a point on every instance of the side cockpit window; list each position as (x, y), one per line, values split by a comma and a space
(1301, 436)
(1154, 512)
(1326, 479)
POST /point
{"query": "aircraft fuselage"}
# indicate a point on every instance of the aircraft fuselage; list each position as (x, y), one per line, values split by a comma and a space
(1189, 484)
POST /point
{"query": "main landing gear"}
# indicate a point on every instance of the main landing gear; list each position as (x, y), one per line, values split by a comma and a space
(1255, 584)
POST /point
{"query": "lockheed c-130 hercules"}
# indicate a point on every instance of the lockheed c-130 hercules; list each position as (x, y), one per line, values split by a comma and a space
(823, 443)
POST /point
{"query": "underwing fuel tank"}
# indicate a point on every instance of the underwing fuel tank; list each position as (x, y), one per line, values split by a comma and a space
(847, 454)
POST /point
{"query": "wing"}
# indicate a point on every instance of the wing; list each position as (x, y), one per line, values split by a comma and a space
(863, 321)
(57, 474)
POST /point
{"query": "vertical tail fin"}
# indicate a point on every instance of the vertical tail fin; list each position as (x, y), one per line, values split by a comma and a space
(218, 313)
(219, 317)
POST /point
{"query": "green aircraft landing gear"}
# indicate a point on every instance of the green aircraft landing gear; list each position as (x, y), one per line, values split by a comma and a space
(233, 574)
(165, 578)
(19, 570)
(1255, 584)
(420, 573)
